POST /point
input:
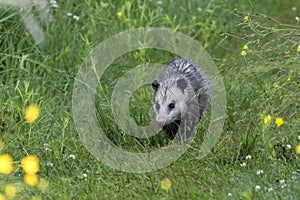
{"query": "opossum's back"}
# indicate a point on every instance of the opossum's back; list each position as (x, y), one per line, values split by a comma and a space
(184, 68)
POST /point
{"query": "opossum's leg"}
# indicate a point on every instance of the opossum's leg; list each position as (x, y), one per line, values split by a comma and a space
(172, 129)
(188, 126)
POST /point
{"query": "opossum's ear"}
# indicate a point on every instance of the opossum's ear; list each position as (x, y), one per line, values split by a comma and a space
(155, 85)
(181, 83)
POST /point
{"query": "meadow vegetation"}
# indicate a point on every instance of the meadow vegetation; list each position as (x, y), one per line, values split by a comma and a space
(255, 45)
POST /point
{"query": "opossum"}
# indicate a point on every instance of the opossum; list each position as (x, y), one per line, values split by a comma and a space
(182, 88)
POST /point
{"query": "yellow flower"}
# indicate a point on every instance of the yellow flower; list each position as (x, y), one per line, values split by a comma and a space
(32, 112)
(246, 19)
(245, 47)
(6, 164)
(165, 184)
(267, 119)
(27, 34)
(30, 164)
(10, 191)
(298, 49)
(298, 149)
(244, 53)
(31, 179)
(279, 121)
(2, 197)
(119, 15)
(1, 145)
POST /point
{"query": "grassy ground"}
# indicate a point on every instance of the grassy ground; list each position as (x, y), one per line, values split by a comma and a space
(264, 82)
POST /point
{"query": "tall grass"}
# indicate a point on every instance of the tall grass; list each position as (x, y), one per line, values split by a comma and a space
(265, 81)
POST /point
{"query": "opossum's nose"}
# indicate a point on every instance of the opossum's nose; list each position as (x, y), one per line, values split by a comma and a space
(161, 122)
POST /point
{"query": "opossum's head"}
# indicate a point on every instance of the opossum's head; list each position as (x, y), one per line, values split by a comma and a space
(170, 100)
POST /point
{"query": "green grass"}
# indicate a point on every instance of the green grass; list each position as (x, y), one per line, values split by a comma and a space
(264, 82)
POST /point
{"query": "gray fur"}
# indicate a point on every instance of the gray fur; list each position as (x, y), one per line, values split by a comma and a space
(180, 83)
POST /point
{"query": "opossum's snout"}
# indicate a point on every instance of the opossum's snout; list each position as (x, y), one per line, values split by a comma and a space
(161, 122)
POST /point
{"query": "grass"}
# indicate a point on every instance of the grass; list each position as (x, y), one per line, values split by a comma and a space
(266, 81)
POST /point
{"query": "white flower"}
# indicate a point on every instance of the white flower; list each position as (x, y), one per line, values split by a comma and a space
(229, 194)
(46, 146)
(282, 183)
(243, 164)
(270, 189)
(288, 146)
(84, 175)
(53, 4)
(248, 157)
(294, 8)
(258, 172)
(50, 164)
(299, 137)
(257, 187)
(76, 17)
(69, 14)
(72, 156)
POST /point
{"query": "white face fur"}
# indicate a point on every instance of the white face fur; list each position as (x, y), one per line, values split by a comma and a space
(170, 101)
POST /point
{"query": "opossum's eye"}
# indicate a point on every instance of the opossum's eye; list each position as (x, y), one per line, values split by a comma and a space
(171, 106)
(157, 106)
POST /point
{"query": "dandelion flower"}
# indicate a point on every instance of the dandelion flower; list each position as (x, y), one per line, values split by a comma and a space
(165, 184)
(30, 164)
(6, 164)
(32, 112)
(2, 197)
(1, 145)
(10, 191)
(27, 34)
(245, 47)
(279, 121)
(298, 49)
(244, 53)
(246, 19)
(31, 179)
(267, 119)
(298, 149)
(119, 15)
